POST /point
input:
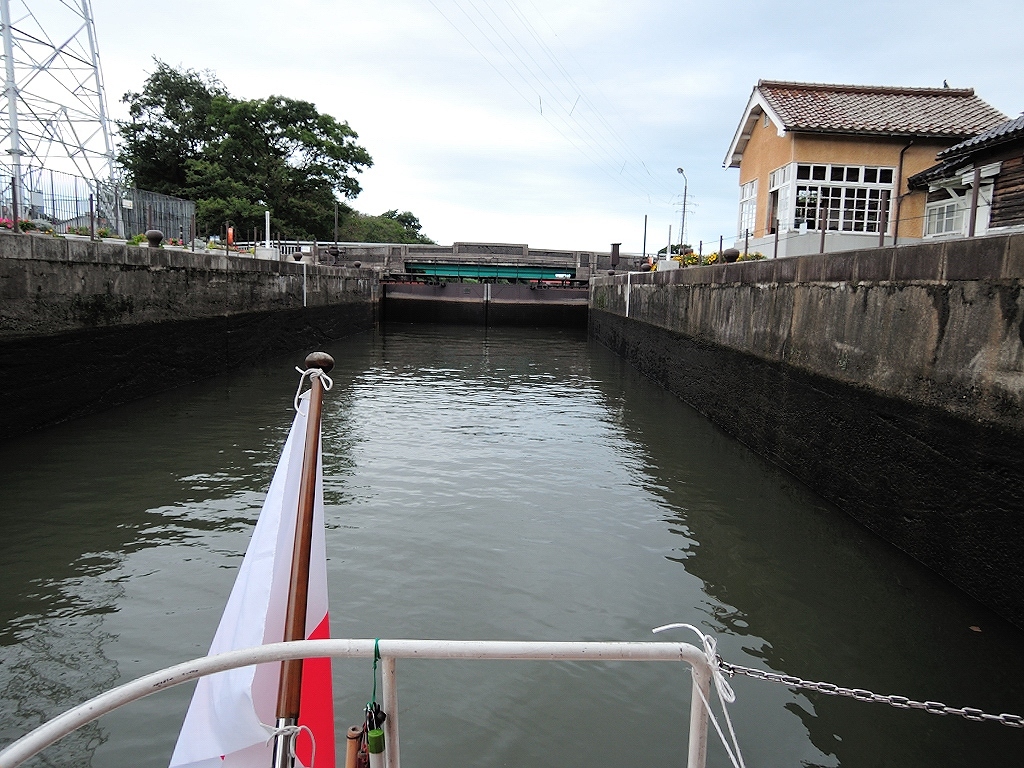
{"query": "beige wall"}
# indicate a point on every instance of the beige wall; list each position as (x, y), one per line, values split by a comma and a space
(862, 150)
(767, 151)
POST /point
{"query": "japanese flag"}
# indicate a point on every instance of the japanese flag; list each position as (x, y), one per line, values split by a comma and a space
(225, 723)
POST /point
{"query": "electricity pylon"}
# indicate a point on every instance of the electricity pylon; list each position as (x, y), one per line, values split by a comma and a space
(54, 107)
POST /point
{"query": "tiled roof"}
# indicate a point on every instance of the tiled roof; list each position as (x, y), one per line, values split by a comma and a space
(924, 112)
(954, 157)
(1008, 131)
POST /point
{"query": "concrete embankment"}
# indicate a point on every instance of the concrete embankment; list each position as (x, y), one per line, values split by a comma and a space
(85, 326)
(891, 381)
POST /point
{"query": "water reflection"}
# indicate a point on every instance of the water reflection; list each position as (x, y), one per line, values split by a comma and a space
(183, 473)
(802, 589)
(482, 484)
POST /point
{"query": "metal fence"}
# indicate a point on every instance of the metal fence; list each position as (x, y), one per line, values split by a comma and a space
(67, 203)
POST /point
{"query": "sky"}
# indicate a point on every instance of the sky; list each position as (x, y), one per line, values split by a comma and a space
(557, 124)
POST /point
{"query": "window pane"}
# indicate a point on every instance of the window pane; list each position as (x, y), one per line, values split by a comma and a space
(803, 171)
(837, 173)
(818, 173)
(870, 175)
(853, 174)
(885, 175)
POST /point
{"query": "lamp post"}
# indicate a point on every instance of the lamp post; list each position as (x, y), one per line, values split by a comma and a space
(682, 223)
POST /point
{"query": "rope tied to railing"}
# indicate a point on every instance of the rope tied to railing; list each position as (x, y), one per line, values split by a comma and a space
(291, 732)
(313, 373)
(726, 695)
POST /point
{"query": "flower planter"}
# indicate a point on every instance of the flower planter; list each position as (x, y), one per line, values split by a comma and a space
(75, 237)
(115, 240)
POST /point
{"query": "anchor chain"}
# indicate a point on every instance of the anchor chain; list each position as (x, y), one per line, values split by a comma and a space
(900, 702)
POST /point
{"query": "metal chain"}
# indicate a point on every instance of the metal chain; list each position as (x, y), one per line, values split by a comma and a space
(900, 702)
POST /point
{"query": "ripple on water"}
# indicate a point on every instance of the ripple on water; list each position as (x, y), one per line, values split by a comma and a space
(507, 484)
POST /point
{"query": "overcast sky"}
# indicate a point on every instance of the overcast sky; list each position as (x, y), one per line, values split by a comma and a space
(558, 124)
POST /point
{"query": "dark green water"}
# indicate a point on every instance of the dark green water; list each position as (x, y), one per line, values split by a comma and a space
(498, 485)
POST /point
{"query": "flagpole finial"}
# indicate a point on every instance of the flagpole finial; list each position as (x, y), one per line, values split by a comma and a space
(320, 360)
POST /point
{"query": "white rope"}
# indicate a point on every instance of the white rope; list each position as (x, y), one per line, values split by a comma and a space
(313, 373)
(291, 732)
(725, 692)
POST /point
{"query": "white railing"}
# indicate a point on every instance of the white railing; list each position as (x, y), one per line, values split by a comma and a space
(390, 651)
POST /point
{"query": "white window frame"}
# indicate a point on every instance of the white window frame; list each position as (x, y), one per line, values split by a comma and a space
(950, 217)
(852, 206)
(780, 180)
(748, 208)
(944, 218)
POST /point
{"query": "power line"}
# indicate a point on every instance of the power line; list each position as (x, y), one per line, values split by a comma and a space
(586, 99)
(581, 132)
(598, 142)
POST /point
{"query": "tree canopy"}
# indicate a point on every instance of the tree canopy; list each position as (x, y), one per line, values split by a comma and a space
(389, 227)
(188, 137)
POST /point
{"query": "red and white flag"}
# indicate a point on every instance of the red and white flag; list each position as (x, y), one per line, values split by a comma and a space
(226, 723)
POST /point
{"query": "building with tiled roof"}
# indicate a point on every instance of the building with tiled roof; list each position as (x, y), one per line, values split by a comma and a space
(813, 155)
(977, 187)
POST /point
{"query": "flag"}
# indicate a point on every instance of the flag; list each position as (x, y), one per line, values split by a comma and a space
(225, 723)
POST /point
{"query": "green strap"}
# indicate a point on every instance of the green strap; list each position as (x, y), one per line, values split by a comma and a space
(376, 658)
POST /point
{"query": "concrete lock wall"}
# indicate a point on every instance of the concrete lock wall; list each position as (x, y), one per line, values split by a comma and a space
(891, 381)
(116, 322)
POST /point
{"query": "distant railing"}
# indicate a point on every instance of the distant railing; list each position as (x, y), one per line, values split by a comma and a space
(67, 203)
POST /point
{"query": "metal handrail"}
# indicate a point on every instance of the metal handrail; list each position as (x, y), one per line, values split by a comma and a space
(390, 650)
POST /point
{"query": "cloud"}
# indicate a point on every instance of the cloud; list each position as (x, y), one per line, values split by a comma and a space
(450, 108)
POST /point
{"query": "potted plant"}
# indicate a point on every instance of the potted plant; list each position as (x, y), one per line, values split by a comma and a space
(77, 233)
(104, 234)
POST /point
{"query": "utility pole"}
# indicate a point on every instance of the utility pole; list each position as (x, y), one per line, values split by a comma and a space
(682, 223)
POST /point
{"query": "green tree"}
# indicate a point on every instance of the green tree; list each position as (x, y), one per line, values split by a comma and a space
(187, 136)
(169, 125)
(389, 227)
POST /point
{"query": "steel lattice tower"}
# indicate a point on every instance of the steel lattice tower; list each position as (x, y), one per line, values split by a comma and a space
(54, 112)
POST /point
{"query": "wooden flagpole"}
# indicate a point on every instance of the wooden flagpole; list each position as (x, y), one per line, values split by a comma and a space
(298, 586)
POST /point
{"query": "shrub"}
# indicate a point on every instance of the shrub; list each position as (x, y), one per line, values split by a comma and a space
(712, 258)
(751, 256)
(26, 226)
(137, 239)
(103, 232)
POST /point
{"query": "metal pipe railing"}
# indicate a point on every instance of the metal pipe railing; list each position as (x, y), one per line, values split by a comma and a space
(390, 650)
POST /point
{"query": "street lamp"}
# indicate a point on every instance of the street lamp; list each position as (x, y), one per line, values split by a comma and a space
(682, 223)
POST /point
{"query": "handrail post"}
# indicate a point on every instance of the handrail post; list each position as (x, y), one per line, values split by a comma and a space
(698, 747)
(390, 683)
